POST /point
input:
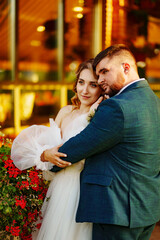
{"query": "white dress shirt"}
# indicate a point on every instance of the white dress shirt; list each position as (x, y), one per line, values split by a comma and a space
(141, 79)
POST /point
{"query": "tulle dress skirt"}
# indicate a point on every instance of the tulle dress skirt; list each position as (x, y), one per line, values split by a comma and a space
(59, 211)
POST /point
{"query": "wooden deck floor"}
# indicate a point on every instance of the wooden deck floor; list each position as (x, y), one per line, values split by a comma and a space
(156, 233)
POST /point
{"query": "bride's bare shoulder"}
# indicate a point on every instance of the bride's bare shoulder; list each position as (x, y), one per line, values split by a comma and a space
(63, 112)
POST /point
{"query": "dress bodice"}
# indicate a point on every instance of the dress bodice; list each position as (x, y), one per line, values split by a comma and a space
(75, 127)
(71, 130)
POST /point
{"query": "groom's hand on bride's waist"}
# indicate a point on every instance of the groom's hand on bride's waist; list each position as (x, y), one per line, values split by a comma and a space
(52, 155)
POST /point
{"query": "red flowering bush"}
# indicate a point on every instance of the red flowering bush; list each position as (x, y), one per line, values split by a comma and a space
(21, 196)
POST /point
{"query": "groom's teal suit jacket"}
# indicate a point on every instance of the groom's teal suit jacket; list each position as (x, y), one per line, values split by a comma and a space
(120, 183)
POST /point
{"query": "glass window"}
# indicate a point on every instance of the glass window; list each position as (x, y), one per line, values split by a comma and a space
(137, 24)
(5, 64)
(38, 106)
(78, 38)
(38, 40)
(70, 95)
(157, 92)
(6, 109)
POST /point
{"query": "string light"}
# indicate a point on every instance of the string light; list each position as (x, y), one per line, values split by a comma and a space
(78, 9)
(79, 15)
(40, 28)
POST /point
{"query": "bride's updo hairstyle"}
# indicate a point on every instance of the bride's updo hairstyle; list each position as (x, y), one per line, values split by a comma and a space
(84, 65)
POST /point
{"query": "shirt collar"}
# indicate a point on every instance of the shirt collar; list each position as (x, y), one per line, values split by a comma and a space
(122, 89)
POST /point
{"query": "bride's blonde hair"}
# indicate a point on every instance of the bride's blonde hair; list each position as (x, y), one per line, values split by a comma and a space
(84, 65)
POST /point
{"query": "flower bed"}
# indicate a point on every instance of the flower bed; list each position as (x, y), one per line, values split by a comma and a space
(21, 196)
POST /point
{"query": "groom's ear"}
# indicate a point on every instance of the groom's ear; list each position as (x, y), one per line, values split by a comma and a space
(126, 67)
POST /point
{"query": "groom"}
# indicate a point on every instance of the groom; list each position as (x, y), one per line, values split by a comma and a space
(120, 183)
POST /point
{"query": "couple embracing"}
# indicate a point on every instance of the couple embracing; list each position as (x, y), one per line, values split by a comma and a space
(119, 195)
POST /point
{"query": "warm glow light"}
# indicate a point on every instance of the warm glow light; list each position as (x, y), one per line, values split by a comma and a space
(73, 65)
(121, 13)
(79, 15)
(78, 9)
(27, 104)
(109, 12)
(81, 1)
(5, 106)
(141, 64)
(40, 28)
(121, 3)
(139, 42)
(156, 51)
(35, 78)
(64, 96)
(35, 43)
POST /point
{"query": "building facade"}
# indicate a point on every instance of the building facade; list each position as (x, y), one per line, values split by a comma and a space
(42, 42)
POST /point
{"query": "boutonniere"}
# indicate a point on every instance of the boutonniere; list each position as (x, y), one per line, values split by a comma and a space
(91, 114)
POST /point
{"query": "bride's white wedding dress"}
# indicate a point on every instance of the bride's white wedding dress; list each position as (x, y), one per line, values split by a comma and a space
(60, 210)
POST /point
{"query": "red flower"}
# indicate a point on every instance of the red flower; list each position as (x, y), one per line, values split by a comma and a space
(14, 222)
(24, 237)
(15, 231)
(7, 228)
(41, 196)
(35, 187)
(13, 172)
(23, 185)
(31, 216)
(33, 174)
(38, 225)
(21, 203)
(26, 224)
(11, 169)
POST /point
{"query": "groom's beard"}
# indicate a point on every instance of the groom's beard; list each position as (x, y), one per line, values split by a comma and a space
(111, 92)
(116, 87)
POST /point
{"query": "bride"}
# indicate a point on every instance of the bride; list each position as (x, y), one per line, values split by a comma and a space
(59, 211)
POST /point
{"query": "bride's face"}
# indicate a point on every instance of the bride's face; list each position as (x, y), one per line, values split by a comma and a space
(88, 90)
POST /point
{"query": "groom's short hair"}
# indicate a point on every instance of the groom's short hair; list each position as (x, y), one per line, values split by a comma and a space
(114, 50)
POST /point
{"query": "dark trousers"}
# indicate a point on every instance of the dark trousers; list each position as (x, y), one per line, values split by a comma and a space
(115, 232)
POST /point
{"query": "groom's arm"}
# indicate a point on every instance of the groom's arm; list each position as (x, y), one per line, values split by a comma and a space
(104, 131)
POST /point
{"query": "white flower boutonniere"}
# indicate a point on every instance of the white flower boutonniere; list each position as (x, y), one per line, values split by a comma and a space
(91, 114)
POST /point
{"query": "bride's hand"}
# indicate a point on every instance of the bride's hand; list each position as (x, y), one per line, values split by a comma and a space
(96, 104)
(52, 155)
